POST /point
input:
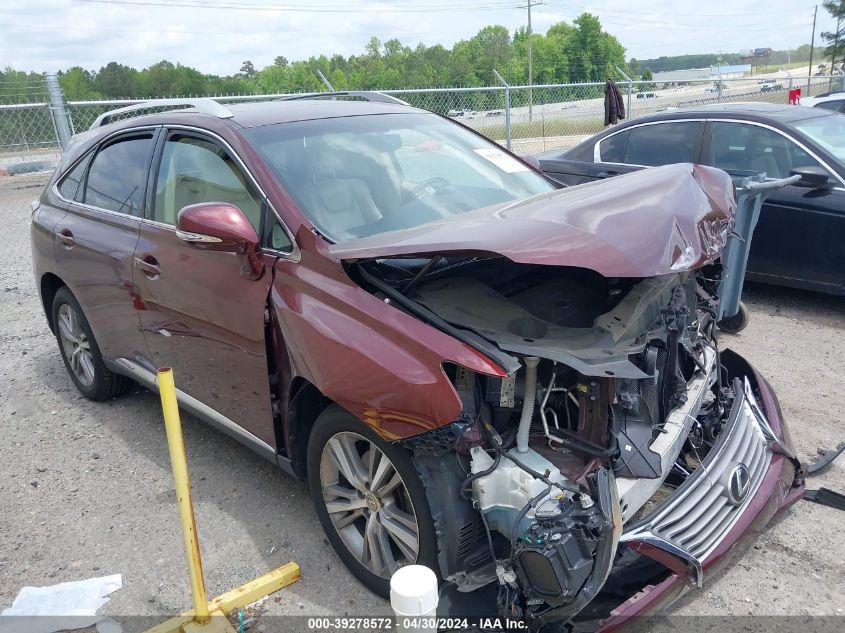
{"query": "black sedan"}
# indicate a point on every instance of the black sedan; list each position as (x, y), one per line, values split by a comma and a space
(800, 237)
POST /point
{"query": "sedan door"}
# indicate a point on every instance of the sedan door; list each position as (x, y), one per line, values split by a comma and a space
(200, 315)
(798, 240)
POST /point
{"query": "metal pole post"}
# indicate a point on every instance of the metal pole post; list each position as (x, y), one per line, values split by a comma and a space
(719, 79)
(178, 461)
(833, 56)
(529, 4)
(507, 108)
(812, 46)
(57, 109)
(324, 80)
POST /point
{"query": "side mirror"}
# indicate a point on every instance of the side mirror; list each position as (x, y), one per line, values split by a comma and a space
(532, 160)
(812, 177)
(220, 226)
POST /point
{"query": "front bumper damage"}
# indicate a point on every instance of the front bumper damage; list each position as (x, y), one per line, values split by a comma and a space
(710, 520)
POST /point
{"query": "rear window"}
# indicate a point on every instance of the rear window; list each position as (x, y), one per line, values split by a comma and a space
(69, 186)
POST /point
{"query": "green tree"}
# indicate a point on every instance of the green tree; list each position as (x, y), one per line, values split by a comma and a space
(78, 84)
(247, 69)
(835, 40)
(117, 81)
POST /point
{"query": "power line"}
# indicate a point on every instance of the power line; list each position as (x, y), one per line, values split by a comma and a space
(229, 5)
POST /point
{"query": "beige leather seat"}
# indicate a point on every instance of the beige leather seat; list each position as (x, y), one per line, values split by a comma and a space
(340, 204)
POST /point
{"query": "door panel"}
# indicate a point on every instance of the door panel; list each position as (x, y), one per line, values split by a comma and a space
(206, 321)
(200, 316)
(93, 247)
(798, 239)
(97, 266)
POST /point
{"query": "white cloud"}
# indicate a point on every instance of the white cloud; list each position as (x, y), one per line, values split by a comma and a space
(56, 34)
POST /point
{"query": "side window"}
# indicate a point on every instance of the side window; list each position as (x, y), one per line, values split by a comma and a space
(117, 175)
(744, 147)
(69, 186)
(664, 143)
(612, 148)
(276, 237)
(830, 105)
(195, 170)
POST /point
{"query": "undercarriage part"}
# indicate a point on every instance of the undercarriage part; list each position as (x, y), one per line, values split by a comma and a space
(826, 497)
(463, 554)
(826, 459)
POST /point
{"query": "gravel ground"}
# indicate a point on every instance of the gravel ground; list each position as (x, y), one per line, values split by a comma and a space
(86, 488)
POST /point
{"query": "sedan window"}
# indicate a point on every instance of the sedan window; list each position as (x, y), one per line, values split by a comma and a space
(827, 132)
(745, 147)
(117, 176)
(664, 143)
(612, 148)
(836, 106)
(195, 170)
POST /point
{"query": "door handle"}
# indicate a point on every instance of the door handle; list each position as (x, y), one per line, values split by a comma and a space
(607, 173)
(65, 236)
(149, 266)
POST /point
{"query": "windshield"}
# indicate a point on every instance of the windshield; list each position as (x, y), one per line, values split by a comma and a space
(362, 175)
(826, 131)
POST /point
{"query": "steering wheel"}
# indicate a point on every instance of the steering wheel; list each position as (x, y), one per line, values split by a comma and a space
(429, 186)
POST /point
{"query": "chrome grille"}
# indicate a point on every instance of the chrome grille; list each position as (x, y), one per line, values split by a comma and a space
(693, 521)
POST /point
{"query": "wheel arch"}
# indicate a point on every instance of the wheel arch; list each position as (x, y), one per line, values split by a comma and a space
(49, 285)
(305, 403)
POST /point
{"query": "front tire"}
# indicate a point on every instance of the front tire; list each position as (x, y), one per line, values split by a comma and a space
(736, 323)
(369, 500)
(80, 351)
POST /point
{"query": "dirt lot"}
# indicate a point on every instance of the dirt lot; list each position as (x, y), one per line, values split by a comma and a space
(86, 488)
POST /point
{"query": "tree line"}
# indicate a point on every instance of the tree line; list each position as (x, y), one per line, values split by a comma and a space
(578, 52)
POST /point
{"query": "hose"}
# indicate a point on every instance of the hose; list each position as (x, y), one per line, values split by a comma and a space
(528, 402)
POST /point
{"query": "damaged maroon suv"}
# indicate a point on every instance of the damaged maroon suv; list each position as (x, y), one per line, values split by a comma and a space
(515, 385)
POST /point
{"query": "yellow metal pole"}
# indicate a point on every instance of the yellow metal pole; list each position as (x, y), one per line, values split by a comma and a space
(178, 461)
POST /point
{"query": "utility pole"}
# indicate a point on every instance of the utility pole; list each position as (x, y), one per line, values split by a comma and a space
(528, 5)
(812, 46)
(833, 56)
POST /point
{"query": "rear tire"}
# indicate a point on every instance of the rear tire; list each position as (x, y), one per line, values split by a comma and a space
(379, 519)
(80, 352)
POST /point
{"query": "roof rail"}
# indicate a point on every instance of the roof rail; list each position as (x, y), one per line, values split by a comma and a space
(367, 95)
(205, 106)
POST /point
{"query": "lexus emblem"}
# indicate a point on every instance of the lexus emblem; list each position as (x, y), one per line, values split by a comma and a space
(739, 482)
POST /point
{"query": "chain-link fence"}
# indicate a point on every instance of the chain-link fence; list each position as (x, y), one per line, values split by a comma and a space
(528, 119)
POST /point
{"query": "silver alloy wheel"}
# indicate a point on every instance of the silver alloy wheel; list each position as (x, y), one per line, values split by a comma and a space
(76, 346)
(368, 504)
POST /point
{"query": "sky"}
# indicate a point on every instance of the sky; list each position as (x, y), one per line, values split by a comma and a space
(216, 36)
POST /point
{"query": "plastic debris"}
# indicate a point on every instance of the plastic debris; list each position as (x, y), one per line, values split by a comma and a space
(62, 607)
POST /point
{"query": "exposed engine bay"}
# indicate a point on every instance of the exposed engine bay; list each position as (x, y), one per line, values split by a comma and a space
(615, 397)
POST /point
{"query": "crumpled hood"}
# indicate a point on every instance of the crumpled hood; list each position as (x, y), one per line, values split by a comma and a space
(650, 222)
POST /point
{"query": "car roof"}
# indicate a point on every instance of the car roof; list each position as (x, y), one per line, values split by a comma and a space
(829, 96)
(781, 113)
(255, 114)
